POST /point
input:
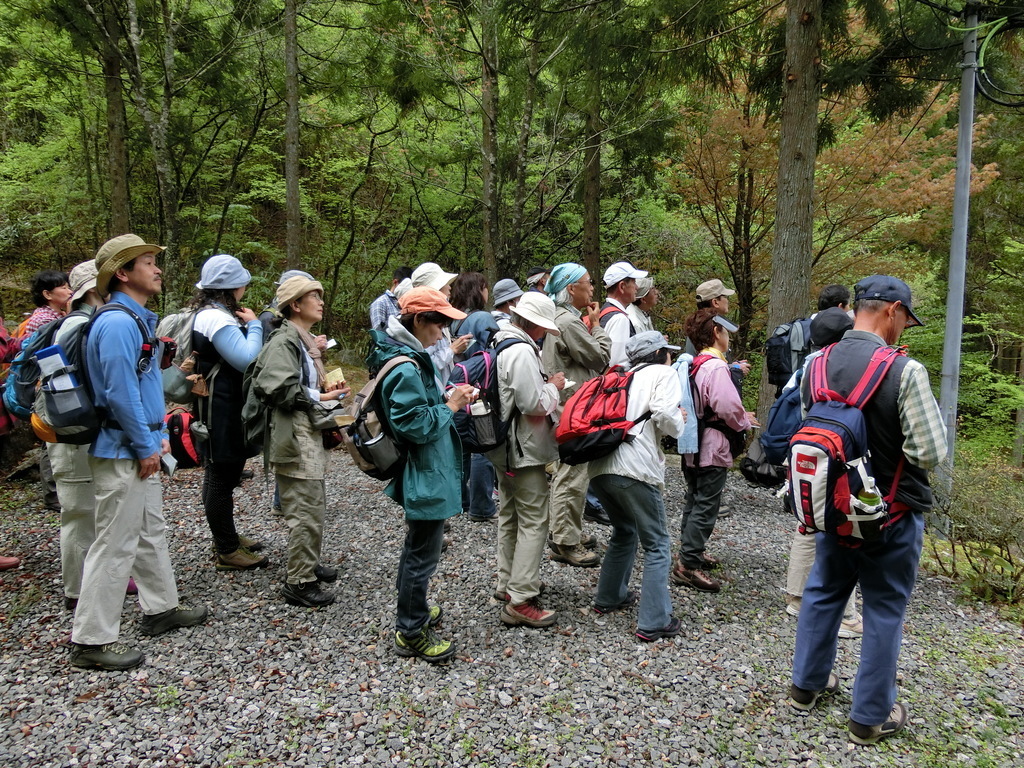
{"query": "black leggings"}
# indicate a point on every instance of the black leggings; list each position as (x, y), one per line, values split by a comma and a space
(219, 481)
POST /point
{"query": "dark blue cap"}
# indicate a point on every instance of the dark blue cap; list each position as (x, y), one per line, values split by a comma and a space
(886, 288)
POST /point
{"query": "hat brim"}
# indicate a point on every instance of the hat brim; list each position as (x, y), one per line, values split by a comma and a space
(726, 323)
(917, 321)
(442, 280)
(452, 312)
(119, 259)
(83, 289)
(537, 320)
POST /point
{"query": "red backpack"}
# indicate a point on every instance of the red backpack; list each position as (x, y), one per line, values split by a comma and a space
(179, 434)
(594, 422)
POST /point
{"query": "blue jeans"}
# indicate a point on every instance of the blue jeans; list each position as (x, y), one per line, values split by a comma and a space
(704, 486)
(477, 485)
(420, 555)
(637, 512)
(886, 570)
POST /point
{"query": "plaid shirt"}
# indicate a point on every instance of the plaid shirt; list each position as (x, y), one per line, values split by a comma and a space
(383, 307)
(920, 418)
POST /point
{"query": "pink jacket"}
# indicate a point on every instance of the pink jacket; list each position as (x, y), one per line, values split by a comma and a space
(715, 388)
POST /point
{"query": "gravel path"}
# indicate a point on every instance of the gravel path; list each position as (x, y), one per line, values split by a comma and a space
(264, 683)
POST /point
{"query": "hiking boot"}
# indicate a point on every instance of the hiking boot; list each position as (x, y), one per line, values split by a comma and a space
(724, 511)
(528, 614)
(872, 734)
(435, 615)
(243, 541)
(631, 599)
(425, 645)
(673, 628)
(596, 514)
(241, 559)
(276, 511)
(112, 656)
(709, 562)
(175, 618)
(695, 579)
(590, 542)
(483, 518)
(7, 563)
(804, 700)
(577, 555)
(70, 603)
(503, 597)
(308, 595)
(851, 628)
(325, 574)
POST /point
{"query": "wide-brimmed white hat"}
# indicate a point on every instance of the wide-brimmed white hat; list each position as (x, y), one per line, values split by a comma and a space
(539, 309)
(430, 275)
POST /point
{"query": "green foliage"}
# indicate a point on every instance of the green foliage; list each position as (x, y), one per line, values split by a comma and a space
(985, 548)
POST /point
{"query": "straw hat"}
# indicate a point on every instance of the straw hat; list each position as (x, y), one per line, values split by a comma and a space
(117, 252)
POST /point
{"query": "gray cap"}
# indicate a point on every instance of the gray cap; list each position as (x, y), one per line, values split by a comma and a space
(506, 290)
(223, 273)
(643, 344)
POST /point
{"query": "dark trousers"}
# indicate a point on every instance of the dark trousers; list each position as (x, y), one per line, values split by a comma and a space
(219, 481)
(886, 570)
(420, 555)
(704, 486)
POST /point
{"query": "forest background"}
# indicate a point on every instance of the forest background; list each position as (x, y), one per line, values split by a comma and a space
(348, 138)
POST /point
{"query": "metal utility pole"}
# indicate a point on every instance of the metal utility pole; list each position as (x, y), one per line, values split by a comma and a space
(958, 248)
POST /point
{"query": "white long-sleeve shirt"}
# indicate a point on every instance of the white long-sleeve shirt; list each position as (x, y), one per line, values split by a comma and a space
(654, 388)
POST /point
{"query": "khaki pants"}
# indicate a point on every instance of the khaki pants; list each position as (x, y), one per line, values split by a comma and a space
(131, 540)
(303, 503)
(801, 558)
(77, 496)
(568, 496)
(522, 531)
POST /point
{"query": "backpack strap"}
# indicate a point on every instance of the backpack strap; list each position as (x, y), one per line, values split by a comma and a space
(878, 367)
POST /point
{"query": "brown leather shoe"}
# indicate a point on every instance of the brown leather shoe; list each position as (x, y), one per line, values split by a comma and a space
(695, 579)
(576, 555)
(241, 559)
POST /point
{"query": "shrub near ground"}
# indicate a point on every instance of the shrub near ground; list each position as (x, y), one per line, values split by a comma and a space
(984, 551)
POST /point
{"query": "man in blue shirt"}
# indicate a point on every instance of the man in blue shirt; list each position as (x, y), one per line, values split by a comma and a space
(125, 460)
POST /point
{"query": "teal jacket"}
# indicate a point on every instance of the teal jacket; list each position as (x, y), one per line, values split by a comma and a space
(430, 486)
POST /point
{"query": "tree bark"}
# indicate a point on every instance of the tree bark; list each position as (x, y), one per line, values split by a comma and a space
(489, 145)
(591, 251)
(798, 138)
(117, 148)
(293, 210)
(516, 233)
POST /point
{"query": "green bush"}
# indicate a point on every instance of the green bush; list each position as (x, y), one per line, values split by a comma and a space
(985, 548)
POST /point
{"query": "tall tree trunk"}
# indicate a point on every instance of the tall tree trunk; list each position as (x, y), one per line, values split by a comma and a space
(117, 149)
(293, 211)
(798, 138)
(514, 252)
(592, 172)
(489, 110)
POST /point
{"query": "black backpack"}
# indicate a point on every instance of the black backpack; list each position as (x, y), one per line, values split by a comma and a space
(786, 349)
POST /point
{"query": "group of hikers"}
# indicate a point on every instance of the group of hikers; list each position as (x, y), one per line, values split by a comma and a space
(547, 342)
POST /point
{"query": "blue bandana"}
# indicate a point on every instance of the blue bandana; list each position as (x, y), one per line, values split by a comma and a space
(563, 276)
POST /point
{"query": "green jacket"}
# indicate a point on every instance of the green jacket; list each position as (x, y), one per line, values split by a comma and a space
(430, 486)
(277, 381)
